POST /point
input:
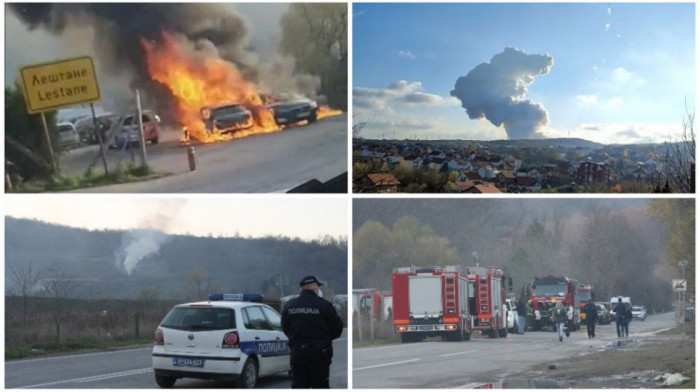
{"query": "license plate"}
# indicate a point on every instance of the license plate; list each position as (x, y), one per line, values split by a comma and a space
(192, 362)
(425, 327)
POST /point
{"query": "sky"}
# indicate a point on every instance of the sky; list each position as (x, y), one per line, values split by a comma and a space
(307, 218)
(605, 72)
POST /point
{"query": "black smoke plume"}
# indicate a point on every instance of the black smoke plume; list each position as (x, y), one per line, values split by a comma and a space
(118, 29)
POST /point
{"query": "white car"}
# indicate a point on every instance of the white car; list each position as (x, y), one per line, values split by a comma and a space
(226, 338)
(511, 316)
(639, 312)
(68, 136)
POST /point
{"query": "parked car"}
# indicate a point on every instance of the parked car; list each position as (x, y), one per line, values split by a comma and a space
(293, 109)
(226, 118)
(86, 127)
(603, 313)
(511, 316)
(639, 312)
(230, 337)
(68, 136)
(129, 133)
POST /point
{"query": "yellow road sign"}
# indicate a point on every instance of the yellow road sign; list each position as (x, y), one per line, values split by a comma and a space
(60, 83)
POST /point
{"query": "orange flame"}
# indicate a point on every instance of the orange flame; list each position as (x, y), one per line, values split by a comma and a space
(197, 80)
(325, 111)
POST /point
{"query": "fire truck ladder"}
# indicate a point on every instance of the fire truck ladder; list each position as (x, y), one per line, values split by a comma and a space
(483, 293)
(450, 296)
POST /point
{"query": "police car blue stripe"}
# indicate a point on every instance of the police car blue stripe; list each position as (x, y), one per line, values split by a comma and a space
(270, 348)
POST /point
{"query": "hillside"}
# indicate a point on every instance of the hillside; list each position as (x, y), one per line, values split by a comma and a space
(102, 259)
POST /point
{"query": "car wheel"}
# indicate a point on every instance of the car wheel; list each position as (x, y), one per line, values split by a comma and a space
(313, 117)
(249, 376)
(165, 381)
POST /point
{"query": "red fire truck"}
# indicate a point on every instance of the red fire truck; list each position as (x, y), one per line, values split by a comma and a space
(488, 301)
(585, 293)
(559, 288)
(450, 302)
(431, 301)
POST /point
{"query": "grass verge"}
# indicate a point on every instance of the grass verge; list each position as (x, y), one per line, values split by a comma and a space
(124, 173)
(68, 347)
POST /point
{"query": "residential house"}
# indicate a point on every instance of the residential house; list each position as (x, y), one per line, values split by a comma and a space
(380, 183)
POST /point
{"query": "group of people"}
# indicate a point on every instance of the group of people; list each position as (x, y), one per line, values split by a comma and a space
(562, 317)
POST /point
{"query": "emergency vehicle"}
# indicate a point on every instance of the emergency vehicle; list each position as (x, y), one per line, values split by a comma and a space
(373, 303)
(488, 301)
(230, 337)
(585, 293)
(431, 301)
(560, 289)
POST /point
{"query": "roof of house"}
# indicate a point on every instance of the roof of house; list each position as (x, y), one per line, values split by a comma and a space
(383, 179)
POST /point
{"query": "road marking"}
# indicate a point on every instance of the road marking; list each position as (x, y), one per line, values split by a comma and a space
(460, 353)
(76, 355)
(387, 364)
(93, 378)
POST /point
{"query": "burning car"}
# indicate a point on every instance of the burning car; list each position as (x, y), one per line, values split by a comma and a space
(226, 118)
(294, 109)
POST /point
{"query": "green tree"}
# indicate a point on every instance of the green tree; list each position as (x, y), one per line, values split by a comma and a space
(377, 250)
(317, 36)
(26, 151)
(677, 216)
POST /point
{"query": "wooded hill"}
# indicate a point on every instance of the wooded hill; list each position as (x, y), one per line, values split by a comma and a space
(177, 266)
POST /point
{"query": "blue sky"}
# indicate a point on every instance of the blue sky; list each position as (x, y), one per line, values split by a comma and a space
(618, 72)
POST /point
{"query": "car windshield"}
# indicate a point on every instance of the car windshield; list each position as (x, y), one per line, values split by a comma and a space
(636, 309)
(227, 111)
(550, 290)
(129, 119)
(200, 318)
(64, 128)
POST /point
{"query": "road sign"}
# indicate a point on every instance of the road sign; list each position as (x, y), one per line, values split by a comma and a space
(60, 83)
(680, 285)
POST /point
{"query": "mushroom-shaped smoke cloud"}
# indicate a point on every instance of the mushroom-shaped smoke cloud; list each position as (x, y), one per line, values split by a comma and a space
(496, 90)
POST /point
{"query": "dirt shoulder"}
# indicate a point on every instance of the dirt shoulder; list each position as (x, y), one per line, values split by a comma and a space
(629, 364)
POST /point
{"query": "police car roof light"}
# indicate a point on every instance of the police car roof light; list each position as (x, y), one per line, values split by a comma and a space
(236, 297)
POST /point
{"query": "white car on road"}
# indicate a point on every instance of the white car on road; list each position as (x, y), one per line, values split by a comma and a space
(226, 338)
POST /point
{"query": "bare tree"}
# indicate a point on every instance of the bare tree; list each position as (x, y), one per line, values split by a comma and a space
(23, 281)
(60, 285)
(679, 160)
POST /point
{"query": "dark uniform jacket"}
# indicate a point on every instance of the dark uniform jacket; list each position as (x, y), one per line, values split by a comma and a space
(311, 319)
(560, 316)
(591, 312)
(521, 309)
(620, 311)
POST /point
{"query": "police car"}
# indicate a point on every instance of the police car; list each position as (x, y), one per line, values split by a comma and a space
(230, 337)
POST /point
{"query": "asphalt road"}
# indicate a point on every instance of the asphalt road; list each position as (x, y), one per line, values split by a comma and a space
(131, 369)
(263, 163)
(437, 364)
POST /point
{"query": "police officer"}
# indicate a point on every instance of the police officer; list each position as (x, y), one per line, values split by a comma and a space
(310, 323)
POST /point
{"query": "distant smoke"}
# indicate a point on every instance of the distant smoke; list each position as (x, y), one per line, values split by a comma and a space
(495, 90)
(140, 244)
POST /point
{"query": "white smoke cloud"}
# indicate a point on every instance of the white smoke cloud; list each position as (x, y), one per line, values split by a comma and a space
(140, 244)
(496, 91)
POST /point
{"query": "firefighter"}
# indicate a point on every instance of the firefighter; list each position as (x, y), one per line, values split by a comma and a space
(559, 318)
(311, 323)
(591, 317)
